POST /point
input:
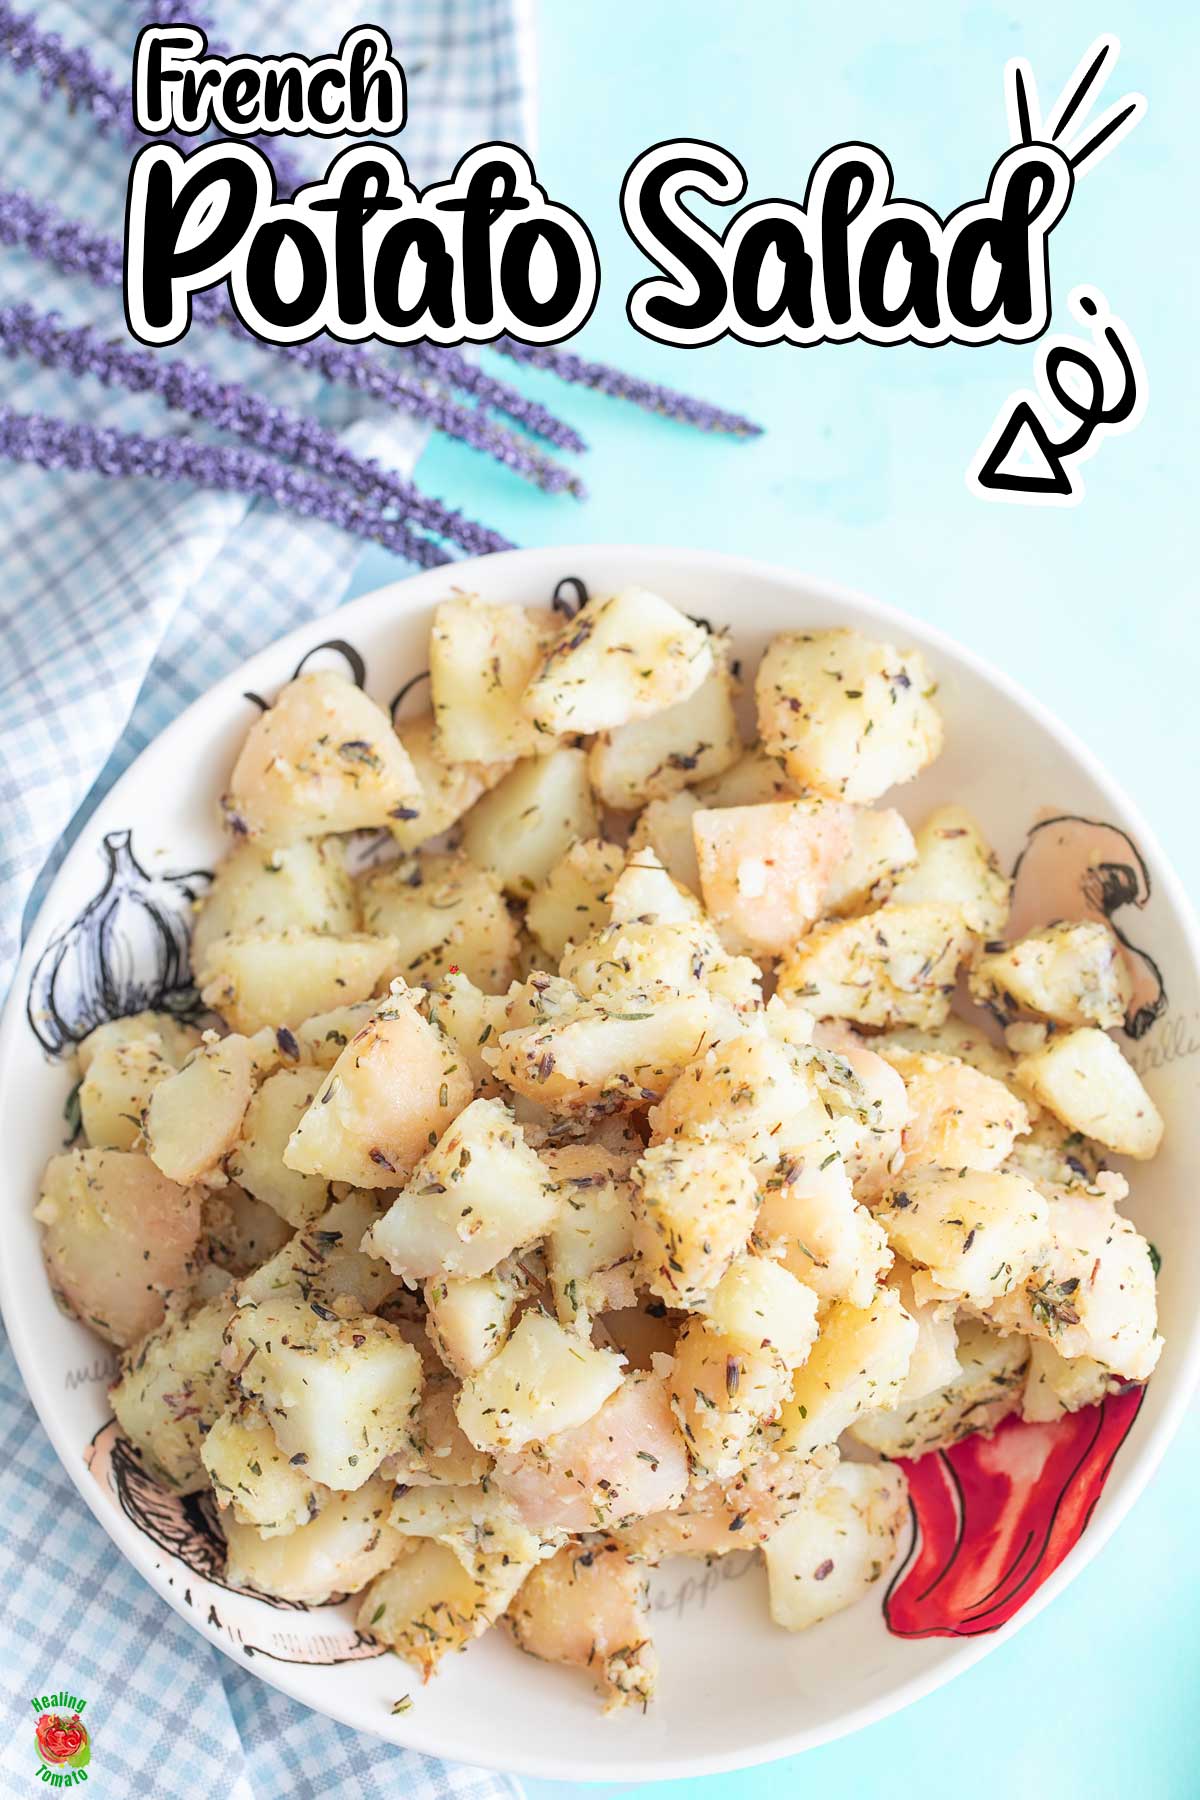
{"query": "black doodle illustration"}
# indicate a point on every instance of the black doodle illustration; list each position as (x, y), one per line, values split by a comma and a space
(354, 662)
(1078, 868)
(127, 952)
(1048, 471)
(1033, 449)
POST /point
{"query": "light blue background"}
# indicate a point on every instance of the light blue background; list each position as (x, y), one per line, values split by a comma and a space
(860, 479)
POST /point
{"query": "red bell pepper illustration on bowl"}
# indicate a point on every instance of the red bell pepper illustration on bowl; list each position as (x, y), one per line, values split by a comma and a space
(994, 1517)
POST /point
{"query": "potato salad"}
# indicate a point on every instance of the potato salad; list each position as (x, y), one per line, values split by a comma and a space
(602, 1139)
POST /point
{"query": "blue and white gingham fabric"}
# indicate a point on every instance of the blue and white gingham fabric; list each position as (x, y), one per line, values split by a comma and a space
(119, 604)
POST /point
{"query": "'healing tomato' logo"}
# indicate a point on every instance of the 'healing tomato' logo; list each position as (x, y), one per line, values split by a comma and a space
(63, 1740)
(63, 1745)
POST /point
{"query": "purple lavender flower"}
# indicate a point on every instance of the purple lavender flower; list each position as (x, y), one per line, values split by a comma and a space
(88, 88)
(68, 245)
(450, 366)
(52, 443)
(647, 394)
(28, 47)
(232, 407)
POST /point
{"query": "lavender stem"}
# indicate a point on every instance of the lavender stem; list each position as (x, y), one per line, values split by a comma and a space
(52, 443)
(647, 394)
(232, 407)
(72, 247)
(91, 90)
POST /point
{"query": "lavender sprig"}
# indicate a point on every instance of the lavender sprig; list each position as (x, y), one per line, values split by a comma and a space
(648, 394)
(75, 249)
(190, 388)
(449, 365)
(52, 443)
(89, 89)
(29, 48)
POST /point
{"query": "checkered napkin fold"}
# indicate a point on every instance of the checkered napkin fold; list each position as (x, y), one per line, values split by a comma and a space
(120, 603)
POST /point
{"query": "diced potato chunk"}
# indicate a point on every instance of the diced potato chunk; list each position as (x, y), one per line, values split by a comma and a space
(439, 1452)
(1092, 1292)
(665, 827)
(300, 887)
(323, 1262)
(646, 894)
(590, 1246)
(758, 1302)
(624, 1050)
(338, 1391)
(480, 659)
(846, 716)
(1086, 1082)
(764, 870)
(543, 1381)
(749, 1090)
(443, 912)
(896, 966)
(618, 659)
(1074, 973)
(987, 1389)
(177, 1041)
(120, 1239)
(741, 1513)
(347, 1545)
(836, 1547)
(256, 1160)
(323, 759)
(871, 1161)
(572, 902)
(958, 1118)
(468, 1317)
(530, 820)
(322, 1038)
(954, 1037)
(858, 1364)
(654, 757)
(240, 1232)
(881, 848)
(391, 1093)
(812, 1222)
(251, 1475)
(477, 1522)
(194, 1117)
(627, 1460)
(722, 1390)
(448, 789)
(1059, 1384)
(754, 780)
(974, 1234)
(427, 1604)
(934, 1361)
(473, 1199)
(695, 1203)
(956, 866)
(171, 1389)
(652, 952)
(116, 1090)
(589, 1608)
(472, 1020)
(260, 980)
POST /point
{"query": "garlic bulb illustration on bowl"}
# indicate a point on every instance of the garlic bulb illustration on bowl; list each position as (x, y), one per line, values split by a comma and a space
(126, 952)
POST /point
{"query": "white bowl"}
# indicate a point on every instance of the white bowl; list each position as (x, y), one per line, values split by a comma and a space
(734, 1690)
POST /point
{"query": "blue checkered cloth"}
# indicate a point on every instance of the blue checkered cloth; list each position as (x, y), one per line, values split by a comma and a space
(120, 603)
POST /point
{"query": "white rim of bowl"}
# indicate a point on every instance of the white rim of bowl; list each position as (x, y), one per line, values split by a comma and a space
(421, 589)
